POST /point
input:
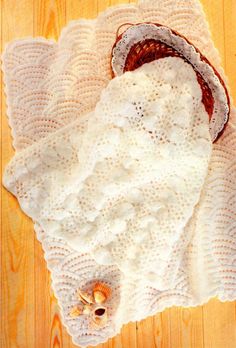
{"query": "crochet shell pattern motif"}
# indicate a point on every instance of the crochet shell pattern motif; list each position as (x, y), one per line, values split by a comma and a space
(133, 202)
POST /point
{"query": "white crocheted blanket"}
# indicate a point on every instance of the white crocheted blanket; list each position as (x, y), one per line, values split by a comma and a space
(120, 176)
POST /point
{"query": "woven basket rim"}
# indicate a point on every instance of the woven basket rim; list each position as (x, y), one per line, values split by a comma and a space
(202, 58)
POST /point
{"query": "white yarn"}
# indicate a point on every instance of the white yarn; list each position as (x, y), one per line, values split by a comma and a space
(49, 86)
(125, 190)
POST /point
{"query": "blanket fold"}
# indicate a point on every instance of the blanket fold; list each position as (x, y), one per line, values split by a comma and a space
(120, 175)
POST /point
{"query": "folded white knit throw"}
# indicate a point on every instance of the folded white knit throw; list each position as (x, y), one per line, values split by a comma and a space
(120, 176)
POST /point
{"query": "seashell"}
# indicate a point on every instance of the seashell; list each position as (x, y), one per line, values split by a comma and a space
(99, 296)
(76, 311)
(87, 309)
(101, 292)
(99, 317)
(84, 297)
(99, 322)
(99, 311)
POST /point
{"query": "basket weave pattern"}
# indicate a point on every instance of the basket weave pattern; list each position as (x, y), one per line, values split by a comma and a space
(149, 50)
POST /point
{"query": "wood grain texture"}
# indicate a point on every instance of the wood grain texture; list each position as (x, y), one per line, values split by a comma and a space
(48, 19)
(17, 242)
(29, 311)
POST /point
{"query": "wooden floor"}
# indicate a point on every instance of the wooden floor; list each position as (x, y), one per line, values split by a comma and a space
(29, 311)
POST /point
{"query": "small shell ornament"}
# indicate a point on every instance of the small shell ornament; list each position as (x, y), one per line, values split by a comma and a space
(101, 292)
(84, 297)
(93, 304)
(99, 316)
(76, 311)
(87, 309)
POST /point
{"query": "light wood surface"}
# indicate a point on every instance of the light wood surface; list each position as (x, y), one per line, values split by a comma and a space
(29, 311)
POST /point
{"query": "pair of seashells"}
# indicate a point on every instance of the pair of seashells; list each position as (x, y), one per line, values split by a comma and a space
(93, 304)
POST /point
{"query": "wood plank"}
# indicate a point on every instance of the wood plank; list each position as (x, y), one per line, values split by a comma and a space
(164, 329)
(81, 9)
(2, 328)
(230, 43)
(186, 327)
(102, 5)
(146, 333)
(116, 2)
(214, 13)
(219, 324)
(17, 242)
(49, 19)
(155, 331)
(126, 338)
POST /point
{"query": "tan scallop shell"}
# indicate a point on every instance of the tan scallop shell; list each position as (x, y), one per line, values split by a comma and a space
(76, 311)
(101, 292)
(87, 309)
(84, 297)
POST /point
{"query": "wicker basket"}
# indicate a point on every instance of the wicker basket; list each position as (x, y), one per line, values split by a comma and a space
(148, 50)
